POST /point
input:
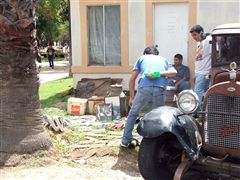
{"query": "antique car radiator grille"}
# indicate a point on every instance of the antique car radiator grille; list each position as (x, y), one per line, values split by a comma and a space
(223, 130)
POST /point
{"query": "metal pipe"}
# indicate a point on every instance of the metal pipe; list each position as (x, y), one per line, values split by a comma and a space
(224, 169)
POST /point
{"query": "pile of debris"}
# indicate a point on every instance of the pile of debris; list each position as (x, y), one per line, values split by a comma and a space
(98, 137)
(99, 113)
(101, 97)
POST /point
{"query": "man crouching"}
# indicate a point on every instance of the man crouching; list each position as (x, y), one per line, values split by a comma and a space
(153, 70)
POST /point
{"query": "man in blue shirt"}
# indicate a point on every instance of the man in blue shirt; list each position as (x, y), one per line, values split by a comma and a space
(181, 80)
(151, 89)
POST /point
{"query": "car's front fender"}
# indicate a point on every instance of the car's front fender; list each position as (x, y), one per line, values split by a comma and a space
(164, 120)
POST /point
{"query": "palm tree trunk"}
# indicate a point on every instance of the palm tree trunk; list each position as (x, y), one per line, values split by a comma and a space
(21, 127)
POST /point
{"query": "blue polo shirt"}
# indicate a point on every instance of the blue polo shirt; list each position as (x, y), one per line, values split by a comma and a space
(153, 63)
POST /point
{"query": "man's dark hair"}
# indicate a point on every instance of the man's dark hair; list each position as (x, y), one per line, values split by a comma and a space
(197, 28)
(178, 56)
(151, 50)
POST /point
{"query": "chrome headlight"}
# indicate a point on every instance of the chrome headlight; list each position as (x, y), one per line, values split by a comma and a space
(188, 101)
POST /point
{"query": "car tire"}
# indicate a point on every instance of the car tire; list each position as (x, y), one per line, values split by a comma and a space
(151, 161)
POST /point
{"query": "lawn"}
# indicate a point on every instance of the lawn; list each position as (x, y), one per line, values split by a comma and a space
(54, 93)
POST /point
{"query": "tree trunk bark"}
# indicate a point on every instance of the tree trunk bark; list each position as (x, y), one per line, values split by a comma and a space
(21, 125)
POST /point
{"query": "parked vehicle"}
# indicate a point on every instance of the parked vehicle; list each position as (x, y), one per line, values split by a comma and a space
(184, 143)
(43, 51)
(58, 51)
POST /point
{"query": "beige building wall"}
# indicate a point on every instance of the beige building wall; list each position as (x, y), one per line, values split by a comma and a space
(139, 32)
(216, 12)
(137, 29)
(136, 41)
(76, 33)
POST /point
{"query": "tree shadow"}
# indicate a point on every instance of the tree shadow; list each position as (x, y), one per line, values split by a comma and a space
(9, 160)
(59, 97)
(127, 161)
(3, 159)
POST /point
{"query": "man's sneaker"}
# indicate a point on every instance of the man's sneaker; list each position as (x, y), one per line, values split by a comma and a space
(124, 145)
(134, 142)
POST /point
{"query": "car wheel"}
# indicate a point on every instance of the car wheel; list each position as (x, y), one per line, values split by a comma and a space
(159, 157)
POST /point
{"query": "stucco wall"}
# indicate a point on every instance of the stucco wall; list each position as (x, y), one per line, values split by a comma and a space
(216, 12)
(209, 14)
(137, 29)
(75, 32)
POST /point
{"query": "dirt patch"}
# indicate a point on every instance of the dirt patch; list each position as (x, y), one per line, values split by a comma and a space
(121, 165)
(79, 155)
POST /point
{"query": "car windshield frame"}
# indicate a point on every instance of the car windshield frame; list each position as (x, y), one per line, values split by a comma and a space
(225, 49)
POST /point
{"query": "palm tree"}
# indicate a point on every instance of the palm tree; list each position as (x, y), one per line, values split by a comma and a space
(21, 127)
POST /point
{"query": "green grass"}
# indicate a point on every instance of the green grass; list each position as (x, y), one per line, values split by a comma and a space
(68, 138)
(61, 148)
(51, 93)
(74, 136)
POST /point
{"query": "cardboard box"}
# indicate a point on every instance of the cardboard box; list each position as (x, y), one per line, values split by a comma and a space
(93, 102)
(77, 106)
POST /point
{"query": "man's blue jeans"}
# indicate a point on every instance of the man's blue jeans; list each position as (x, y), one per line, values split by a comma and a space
(201, 86)
(50, 60)
(153, 96)
(185, 85)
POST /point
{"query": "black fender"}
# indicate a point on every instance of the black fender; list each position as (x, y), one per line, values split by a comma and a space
(164, 120)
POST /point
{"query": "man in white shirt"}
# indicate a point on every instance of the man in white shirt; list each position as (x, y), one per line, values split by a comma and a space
(202, 60)
(66, 51)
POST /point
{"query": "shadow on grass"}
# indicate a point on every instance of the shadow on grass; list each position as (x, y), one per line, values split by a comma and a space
(55, 91)
(59, 97)
(127, 162)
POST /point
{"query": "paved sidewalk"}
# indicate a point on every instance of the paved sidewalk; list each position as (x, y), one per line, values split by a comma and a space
(61, 70)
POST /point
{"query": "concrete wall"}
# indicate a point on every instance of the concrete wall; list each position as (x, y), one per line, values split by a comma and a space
(209, 14)
(216, 12)
(137, 29)
(76, 32)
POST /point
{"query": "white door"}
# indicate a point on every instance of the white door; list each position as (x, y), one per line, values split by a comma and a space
(171, 30)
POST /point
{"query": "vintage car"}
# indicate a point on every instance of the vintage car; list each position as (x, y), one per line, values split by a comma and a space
(185, 143)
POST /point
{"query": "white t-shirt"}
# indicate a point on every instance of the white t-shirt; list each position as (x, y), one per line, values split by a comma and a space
(65, 49)
(203, 64)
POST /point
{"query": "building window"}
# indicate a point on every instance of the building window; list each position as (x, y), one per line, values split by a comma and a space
(104, 35)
